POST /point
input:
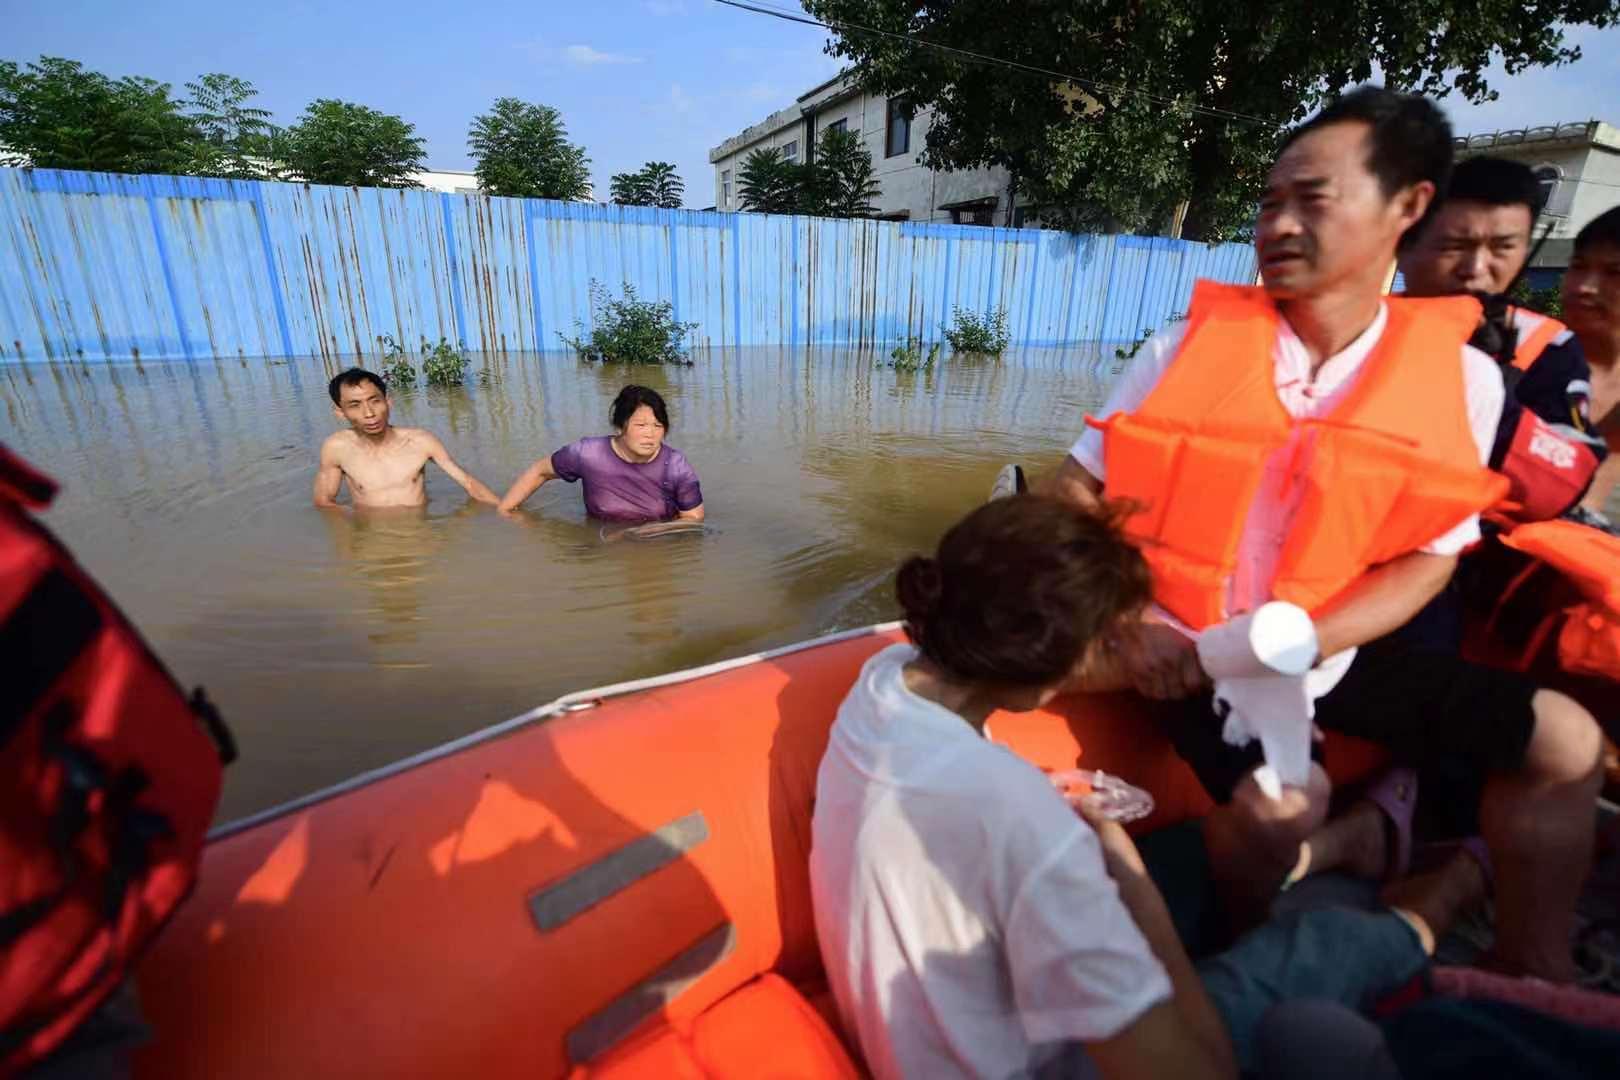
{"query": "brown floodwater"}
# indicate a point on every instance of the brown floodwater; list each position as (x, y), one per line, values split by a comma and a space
(337, 643)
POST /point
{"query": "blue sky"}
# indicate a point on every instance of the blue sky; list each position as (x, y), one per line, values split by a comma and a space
(636, 80)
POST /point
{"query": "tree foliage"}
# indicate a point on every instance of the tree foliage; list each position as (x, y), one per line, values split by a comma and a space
(56, 115)
(339, 142)
(235, 136)
(1189, 96)
(654, 184)
(522, 149)
(841, 180)
(769, 183)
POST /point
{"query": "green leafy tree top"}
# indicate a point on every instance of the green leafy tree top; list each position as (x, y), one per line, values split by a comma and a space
(654, 184)
(768, 183)
(338, 142)
(522, 149)
(54, 114)
(235, 135)
(1188, 97)
(842, 182)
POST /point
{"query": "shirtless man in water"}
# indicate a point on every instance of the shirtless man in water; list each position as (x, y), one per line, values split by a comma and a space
(385, 465)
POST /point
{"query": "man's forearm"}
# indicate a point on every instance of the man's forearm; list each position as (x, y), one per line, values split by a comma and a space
(1381, 600)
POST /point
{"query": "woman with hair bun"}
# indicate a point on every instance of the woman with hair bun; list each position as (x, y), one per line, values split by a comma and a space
(971, 923)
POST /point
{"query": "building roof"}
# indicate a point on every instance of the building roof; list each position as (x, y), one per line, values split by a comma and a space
(1576, 133)
(815, 99)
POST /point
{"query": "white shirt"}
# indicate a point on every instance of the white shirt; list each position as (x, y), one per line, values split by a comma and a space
(1276, 502)
(968, 924)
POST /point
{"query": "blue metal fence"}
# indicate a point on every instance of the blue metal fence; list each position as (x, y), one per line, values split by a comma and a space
(103, 266)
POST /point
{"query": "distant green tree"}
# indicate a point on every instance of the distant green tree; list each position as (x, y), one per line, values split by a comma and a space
(56, 115)
(522, 149)
(842, 182)
(768, 183)
(236, 137)
(630, 189)
(338, 142)
(654, 184)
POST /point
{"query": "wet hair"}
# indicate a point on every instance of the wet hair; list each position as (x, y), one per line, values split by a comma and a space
(1020, 589)
(632, 398)
(1603, 229)
(1409, 141)
(1496, 181)
(354, 377)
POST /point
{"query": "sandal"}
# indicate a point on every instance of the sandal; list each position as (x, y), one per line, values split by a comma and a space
(1395, 793)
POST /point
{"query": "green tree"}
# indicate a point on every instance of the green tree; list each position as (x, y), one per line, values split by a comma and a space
(1190, 95)
(236, 137)
(768, 183)
(844, 184)
(522, 149)
(56, 115)
(630, 189)
(654, 184)
(338, 142)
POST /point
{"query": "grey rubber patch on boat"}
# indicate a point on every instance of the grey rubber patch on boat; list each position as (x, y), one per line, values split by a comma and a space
(616, 871)
(603, 1030)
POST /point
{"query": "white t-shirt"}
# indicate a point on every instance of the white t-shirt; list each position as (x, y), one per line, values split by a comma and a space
(968, 924)
(1276, 502)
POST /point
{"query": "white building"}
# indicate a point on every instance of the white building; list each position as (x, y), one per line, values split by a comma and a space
(454, 181)
(1578, 165)
(894, 136)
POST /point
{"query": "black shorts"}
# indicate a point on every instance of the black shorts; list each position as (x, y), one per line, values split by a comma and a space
(1426, 706)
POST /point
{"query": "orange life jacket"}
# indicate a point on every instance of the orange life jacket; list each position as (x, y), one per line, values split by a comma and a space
(1394, 466)
(1536, 332)
(1589, 639)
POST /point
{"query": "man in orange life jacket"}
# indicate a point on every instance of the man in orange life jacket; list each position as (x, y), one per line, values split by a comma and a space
(1317, 443)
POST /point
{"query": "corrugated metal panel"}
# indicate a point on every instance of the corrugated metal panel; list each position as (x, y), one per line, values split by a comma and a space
(100, 266)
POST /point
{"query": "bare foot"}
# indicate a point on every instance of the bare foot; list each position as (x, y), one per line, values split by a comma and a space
(1432, 901)
(1355, 842)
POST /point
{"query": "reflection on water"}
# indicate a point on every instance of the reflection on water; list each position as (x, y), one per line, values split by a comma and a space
(336, 643)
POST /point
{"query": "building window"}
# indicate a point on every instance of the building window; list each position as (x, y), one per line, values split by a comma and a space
(839, 125)
(898, 140)
(790, 152)
(1550, 177)
(725, 188)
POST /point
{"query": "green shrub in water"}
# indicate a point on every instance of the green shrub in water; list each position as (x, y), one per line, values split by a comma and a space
(630, 330)
(444, 364)
(971, 332)
(910, 356)
(397, 371)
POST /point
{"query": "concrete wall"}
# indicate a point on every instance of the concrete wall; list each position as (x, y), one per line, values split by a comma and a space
(95, 266)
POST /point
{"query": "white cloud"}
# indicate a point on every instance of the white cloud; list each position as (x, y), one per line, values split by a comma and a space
(585, 56)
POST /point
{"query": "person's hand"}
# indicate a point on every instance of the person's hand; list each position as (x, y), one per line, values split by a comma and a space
(1119, 850)
(1163, 662)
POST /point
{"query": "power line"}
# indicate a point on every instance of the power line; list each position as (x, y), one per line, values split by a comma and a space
(760, 8)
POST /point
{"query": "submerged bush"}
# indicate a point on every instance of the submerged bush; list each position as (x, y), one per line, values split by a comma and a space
(630, 330)
(971, 332)
(910, 356)
(397, 371)
(443, 364)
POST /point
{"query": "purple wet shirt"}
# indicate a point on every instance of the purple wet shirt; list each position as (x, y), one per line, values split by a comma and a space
(620, 490)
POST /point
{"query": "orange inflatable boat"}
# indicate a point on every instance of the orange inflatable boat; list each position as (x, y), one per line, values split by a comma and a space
(615, 884)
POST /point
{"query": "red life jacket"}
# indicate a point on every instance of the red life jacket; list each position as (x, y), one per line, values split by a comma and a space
(1588, 632)
(109, 778)
(1548, 472)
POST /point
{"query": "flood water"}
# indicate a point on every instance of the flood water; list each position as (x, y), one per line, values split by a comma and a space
(336, 643)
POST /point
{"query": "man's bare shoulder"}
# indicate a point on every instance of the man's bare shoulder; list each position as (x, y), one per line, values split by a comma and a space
(338, 443)
(417, 438)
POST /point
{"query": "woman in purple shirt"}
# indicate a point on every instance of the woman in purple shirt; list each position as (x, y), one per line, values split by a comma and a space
(629, 477)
